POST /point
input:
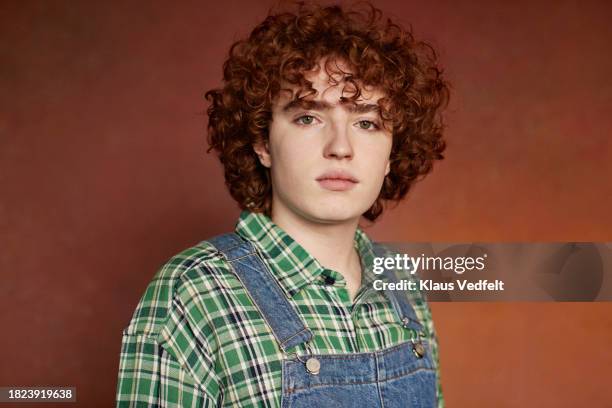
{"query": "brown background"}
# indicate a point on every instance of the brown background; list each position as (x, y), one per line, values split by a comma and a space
(104, 175)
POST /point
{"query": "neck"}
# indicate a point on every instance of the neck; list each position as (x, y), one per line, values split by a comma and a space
(332, 244)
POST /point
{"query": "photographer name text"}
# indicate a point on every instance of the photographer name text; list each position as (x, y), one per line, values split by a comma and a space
(429, 285)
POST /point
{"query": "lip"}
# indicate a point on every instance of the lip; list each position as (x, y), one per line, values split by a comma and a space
(337, 180)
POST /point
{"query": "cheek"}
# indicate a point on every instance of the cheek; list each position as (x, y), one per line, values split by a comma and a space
(377, 156)
(293, 161)
(374, 166)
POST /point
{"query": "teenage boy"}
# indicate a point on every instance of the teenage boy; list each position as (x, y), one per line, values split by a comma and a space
(324, 115)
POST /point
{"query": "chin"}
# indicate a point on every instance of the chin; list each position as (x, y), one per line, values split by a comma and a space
(336, 212)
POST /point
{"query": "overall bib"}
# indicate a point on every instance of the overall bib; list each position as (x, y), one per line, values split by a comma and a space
(399, 376)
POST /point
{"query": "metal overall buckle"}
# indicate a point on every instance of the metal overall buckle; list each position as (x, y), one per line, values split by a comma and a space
(312, 364)
(417, 345)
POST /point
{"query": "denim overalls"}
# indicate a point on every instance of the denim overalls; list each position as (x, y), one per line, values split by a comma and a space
(398, 376)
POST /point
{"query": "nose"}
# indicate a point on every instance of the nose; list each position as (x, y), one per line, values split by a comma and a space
(338, 144)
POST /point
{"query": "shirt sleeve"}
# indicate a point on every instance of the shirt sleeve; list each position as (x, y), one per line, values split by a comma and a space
(149, 376)
(166, 359)
(170, 366)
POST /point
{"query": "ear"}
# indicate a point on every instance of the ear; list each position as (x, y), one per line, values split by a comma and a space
(388, 168)
(262, 149)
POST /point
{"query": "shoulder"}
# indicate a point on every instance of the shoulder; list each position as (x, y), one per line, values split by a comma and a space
(189, 270)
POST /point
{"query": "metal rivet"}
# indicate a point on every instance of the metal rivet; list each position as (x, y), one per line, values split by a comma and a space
(313, 365)
(418, 350)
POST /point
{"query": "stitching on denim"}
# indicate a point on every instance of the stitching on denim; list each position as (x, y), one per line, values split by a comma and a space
(327, 384)
(305, 329)
(271, 284)
(355, 356)
(278, 292)
(243, 256)
(376, 361)
(248, 293)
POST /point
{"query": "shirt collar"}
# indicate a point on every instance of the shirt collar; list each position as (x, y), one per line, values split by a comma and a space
(292, 265)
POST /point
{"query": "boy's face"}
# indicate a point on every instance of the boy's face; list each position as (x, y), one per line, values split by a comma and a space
(328, 158)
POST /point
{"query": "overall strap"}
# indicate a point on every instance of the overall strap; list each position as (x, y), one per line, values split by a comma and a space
(262, 286)
(399, 299)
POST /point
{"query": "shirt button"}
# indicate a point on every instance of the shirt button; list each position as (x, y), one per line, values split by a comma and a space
(329, 281)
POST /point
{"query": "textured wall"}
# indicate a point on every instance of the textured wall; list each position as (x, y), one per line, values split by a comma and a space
(104, 175)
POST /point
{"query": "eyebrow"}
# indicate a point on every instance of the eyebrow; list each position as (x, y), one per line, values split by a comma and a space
(309, 104)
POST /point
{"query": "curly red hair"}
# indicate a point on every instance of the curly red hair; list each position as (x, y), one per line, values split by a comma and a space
(282, 48)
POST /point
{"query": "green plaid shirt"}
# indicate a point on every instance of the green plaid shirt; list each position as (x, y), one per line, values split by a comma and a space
(197, 340)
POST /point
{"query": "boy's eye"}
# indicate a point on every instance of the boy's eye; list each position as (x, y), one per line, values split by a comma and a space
(367, 125)
(305, 120)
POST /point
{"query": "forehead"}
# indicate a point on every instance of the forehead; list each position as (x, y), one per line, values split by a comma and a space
(332, 80)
